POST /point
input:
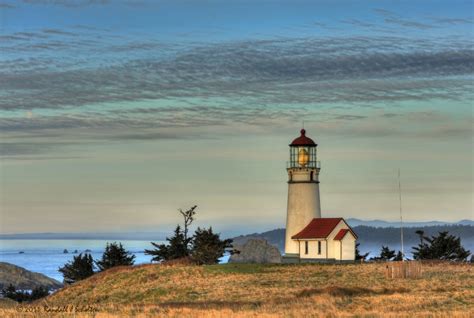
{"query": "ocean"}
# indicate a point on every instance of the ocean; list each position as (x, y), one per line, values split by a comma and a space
(46, 256)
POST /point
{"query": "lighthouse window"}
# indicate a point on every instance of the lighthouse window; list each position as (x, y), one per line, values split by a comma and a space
(319, 247)
(306, 247)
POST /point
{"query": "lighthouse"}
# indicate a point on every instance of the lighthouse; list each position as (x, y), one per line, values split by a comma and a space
(309, 237)
(303, 189)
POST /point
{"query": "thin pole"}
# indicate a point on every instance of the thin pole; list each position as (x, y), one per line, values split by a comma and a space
(401, 217)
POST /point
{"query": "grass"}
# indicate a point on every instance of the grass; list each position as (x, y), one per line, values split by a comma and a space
(254, 290)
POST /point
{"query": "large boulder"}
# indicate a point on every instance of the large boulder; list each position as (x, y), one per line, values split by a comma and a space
(256, 251)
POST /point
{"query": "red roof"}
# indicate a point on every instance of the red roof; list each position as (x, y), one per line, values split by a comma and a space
(303, 140)
(340, 235)
(318, 228)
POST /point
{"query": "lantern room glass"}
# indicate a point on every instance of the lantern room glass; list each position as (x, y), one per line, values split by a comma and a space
(303, 157)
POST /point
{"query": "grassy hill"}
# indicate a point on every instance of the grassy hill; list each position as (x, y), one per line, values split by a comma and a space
(242, 290)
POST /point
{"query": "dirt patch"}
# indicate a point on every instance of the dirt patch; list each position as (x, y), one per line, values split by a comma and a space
(234, 305)
(350, 291)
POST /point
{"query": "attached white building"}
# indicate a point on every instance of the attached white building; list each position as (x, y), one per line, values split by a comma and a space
(308, 236)
(326, 239)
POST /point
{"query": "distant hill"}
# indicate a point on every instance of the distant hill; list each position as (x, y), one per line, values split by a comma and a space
(381, 223)
(161, 236)
(372, 238)
(24, 279)
(153, 236)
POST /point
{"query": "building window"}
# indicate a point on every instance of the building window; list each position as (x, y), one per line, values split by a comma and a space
(306, 247)
(319, 247)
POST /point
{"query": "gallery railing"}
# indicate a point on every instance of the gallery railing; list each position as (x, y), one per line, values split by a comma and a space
(309, 164)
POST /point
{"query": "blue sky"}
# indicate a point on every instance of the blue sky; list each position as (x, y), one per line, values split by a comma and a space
(114, 114)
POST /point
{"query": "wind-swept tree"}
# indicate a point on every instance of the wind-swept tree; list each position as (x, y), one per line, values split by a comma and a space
(177, 247)
(386, 254)
(358, 256)
(188, 217)
(178, 244)
(442, 247)
(115, 255)
(207, 247)
(81, 267)
(399, 256)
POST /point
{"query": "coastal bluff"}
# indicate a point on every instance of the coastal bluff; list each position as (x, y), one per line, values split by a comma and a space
(24, 279)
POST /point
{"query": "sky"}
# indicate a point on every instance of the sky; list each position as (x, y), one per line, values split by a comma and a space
(115, 114)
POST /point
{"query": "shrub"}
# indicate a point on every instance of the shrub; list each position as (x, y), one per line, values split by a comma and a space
(81, 267)
(207, 247)
(443, 247)
(115, 255)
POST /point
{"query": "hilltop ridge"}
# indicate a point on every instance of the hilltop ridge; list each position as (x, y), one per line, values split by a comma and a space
(249, 290)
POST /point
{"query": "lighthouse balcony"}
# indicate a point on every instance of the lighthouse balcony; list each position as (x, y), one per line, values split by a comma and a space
(308, 165)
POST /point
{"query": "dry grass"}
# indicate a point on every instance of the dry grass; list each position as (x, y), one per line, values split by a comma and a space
(246, 290)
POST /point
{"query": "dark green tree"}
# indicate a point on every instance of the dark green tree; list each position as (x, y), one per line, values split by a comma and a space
(10, 292)
(115, 255)
(207, 247)
(177, 247)
(386, 254)
(81, 267)
(178, 244)
(358, 256)
(421, 234)
(442, 247)
(21, 296)
(39, 292)
(399, 256)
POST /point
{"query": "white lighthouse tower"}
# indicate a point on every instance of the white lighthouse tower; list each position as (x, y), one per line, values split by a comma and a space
(303, 190)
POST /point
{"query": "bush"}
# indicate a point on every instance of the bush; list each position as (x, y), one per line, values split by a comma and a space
(442, 247)
(204, 247)
(176, 248)
(81, 267)
(21, 296)
(207, 247)
(115, 255)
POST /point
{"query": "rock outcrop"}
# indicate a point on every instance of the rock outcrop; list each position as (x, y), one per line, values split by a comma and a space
(256, 251)
(24, 279)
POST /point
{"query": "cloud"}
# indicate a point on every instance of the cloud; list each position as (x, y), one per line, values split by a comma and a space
(4, 5)
(359, 23)
(67, 3)
(349, 117)
(58, 32)
(395, 19)
(8, 149)
(408, 23)
(384, 12)
(83, 3)
(283, 71)
(145, 90)
(452, 21)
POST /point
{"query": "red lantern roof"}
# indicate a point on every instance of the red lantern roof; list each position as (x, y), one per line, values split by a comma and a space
(303, 140)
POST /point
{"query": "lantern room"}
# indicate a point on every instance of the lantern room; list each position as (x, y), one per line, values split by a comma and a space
(303, 152)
